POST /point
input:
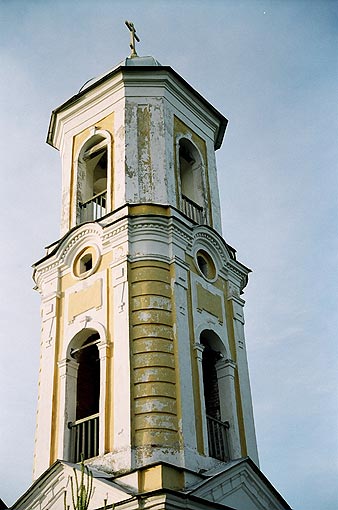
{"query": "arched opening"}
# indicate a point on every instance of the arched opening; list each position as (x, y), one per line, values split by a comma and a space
(210, 383)
(88, 378)
(85, 428)
(191, 177)
(92, 179)
(217, 429)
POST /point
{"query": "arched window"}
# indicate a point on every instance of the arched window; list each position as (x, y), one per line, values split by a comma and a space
(217, 428)
(210, 382)
(85, 428)
(92, 179)
(191, 177)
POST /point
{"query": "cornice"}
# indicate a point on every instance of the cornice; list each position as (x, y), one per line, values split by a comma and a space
(240, 271)
(114, 232)
(145, 76)
(174, 228)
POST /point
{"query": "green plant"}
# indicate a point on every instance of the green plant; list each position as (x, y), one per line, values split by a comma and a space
(81, 489)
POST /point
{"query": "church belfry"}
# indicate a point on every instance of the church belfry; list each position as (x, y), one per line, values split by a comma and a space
(143, 355)
(143, 368)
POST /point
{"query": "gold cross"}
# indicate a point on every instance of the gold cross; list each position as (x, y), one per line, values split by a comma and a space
(133, 37)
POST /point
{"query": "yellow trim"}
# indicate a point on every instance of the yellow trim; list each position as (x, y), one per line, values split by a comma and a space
(156, 405)
(77, 301)
(148, 209)
(211, 303)
(195, 372)
(232, 342)
(83, 300)
(106, 124)
(153, 367)
(56, 389)
(160, 477)
(177, 365)
(78, 270)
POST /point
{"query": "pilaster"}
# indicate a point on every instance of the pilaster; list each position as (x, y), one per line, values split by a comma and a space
(49, 332)
(243, 373)
(198, 351)
(68, 369)
(226, 380)
(183, 361)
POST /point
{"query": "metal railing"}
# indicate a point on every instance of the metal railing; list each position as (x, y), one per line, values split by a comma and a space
(94, 208)
(192, 210)
(218, 439)
(85, 437)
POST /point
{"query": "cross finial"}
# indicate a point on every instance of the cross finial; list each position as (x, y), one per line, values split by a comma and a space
(133, 37)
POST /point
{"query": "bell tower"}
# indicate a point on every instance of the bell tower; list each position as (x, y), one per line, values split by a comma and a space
(143, 356)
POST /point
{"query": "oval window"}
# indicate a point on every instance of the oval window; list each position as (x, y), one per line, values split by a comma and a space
(205, 264)
(86, 262)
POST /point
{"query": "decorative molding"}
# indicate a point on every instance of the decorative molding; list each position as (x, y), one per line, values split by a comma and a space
(228, 364)
(122, 303)
(45, 269)
(78, 256)
(114, 232)
(80, 235)
(211, 239)
(119, 253)
(64, 248)
(47, 331)
(180, 233)
(239, 271)
(233, 290)
(151, 257)
(239, 482)
(151, 226)
(198, 348)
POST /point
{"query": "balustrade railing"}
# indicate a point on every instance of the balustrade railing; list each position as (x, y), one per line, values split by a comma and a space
(94, 208)
(218, 439)
(85, 437)
(192, 210)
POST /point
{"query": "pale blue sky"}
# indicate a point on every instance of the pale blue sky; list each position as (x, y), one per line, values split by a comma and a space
(271, 68)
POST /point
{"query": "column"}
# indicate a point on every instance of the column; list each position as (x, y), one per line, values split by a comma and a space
(226, 384)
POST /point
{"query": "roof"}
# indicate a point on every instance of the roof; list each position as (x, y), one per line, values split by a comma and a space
(134, 65)
(51, 484)
(129, 61)
(215, 476)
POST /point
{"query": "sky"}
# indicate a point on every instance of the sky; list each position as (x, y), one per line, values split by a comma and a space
(271, 68)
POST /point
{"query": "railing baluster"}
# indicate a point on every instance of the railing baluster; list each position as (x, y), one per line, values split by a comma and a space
(77, 451)
(89, 425)
(96, 435)
(94, 208)
(192, 210)
(218, 439)
(85, 437)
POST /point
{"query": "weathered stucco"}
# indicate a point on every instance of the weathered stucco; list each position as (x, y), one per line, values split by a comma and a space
(145, 294)
(154, 393)
(148, 300)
